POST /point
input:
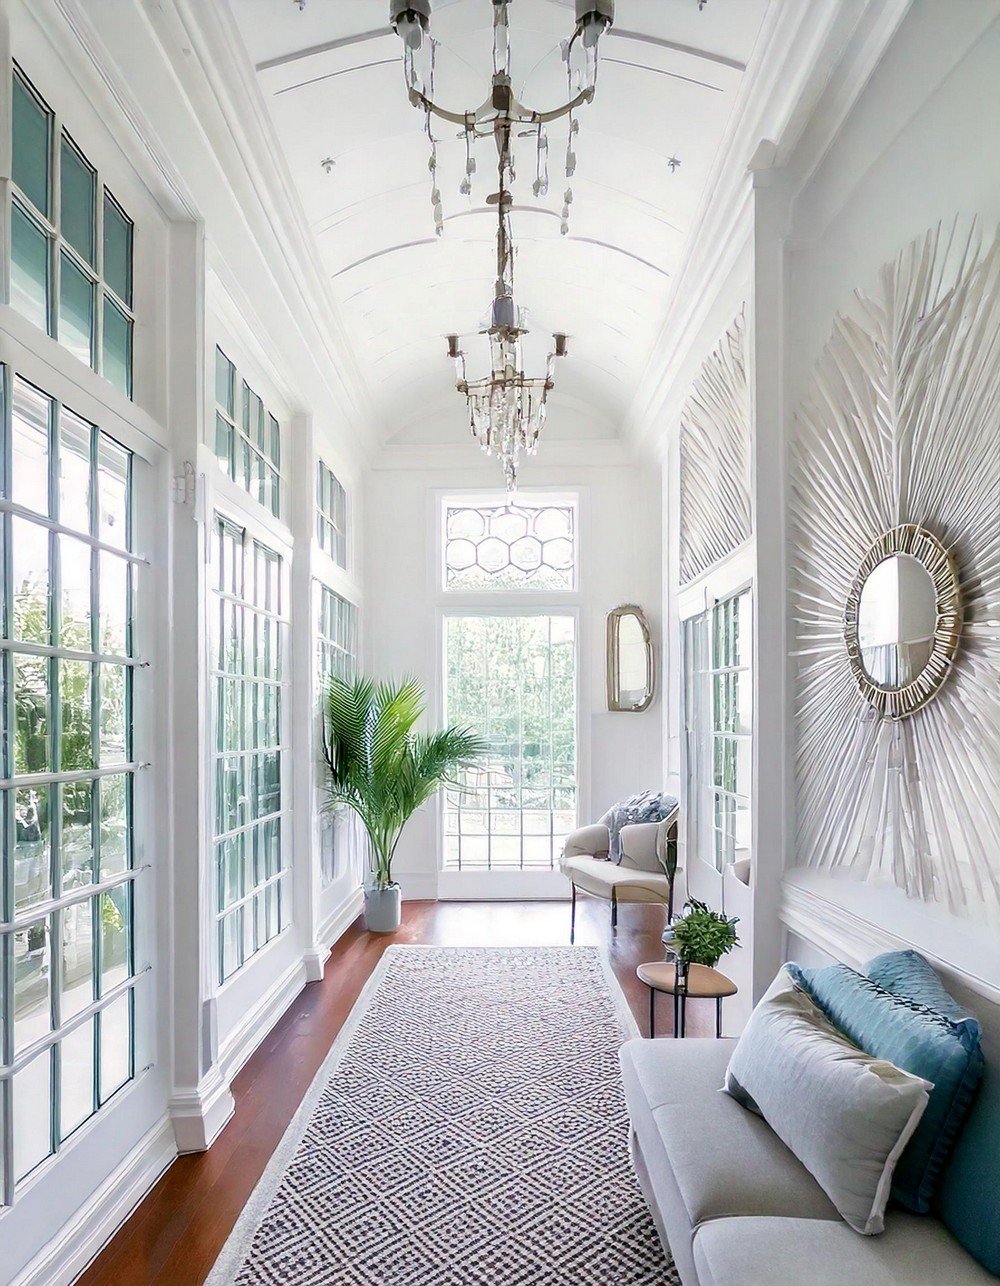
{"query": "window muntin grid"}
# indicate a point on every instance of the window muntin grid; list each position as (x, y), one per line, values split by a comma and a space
(247, 437)
(513, 679)
(331, 515)
(336, 653)
(66, 893)
(719, 714)
(510, 547)
(249, 686)
(71, 260)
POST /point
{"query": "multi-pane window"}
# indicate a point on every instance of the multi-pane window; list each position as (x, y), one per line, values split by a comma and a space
(68, 868)
(510, 547)
(70, 243)
(248, 675)
(337, 653)
(247, 436)
(512, 678)
(719, 726)
(331, 515)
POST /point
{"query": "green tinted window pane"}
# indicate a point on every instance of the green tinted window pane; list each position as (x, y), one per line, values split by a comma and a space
(29, 268)
(275, 442)
(32, 835)
(76, 1063)
(76, 855)
(224, 382)
(76, 311)
(224, 444)
(31, 128)
(30, 589)
(77, 183)
(74, 471)
(32, 727)
(29, 473)
(117, 347)
(76, 751)
(117, 250)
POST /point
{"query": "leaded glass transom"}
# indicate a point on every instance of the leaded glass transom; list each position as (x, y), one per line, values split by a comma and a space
(510, 547)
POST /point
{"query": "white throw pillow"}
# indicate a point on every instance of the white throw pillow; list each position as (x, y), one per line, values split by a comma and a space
(845, 1115)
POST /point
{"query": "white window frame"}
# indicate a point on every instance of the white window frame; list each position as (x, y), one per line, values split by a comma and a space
(728, 578)
(21, 358)
(500, 885)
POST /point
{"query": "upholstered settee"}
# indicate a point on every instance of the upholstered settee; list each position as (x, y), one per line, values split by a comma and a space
(648, 849)
(736, 1208)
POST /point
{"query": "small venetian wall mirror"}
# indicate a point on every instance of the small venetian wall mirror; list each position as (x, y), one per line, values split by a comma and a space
(631, 673)
(903, 620)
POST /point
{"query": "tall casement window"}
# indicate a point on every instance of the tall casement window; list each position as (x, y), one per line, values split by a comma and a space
(719, 725)
(336, 654)
(249, 683)
(70, 243)
(331, 515)
(69, 865)
(510, 670)
(247, 437)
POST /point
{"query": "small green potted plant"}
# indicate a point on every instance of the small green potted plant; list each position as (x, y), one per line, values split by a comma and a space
(700, 936)
(384, 771)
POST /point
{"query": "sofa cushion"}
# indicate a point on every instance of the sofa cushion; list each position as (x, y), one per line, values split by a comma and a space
(846, 1115)
(913, 1251)
(908, 974)
(920, 1040)
(599, 877)
(686, 1072)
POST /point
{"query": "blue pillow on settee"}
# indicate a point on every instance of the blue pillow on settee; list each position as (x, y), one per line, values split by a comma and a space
(916, 1037)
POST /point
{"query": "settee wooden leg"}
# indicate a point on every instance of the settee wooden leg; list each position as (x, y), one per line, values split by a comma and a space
(614, 909)
(572, 919)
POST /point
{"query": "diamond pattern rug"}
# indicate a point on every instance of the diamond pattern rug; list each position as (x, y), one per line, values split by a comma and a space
(468, 1127)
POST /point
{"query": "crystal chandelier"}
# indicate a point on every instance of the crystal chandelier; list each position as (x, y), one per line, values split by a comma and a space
(507, 407)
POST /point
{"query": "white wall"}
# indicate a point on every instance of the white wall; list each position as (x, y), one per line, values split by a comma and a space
(619, 552)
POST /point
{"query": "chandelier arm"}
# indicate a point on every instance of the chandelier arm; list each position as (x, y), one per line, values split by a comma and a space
(472, 121)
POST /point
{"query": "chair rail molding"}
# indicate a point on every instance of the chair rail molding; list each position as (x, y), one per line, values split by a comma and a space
(900, 426)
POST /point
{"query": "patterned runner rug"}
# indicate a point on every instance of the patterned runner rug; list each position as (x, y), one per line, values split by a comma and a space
(467, 1127)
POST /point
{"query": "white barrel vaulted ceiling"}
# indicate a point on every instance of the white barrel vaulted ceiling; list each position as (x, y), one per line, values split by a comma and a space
(331, 72)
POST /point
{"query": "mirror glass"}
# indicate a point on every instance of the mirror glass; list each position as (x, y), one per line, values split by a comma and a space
(897, 617)
(630, 660)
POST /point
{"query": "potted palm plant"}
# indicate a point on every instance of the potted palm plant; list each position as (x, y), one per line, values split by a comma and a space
(384, 771)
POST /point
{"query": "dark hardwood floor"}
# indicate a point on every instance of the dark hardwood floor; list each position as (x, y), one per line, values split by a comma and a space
(176, 1233)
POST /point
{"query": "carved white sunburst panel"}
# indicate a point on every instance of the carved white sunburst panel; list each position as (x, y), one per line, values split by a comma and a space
(902, 425)
(715, 458)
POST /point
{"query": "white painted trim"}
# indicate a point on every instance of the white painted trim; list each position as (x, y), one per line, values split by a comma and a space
(200, 1115)
(331, 928)
(813, 906)
(503, 886)
(77, 1242)
(418, 886)
(242, 1042)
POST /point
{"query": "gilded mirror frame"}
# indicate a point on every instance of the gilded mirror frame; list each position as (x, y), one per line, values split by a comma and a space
(923, 546)
(613, 660)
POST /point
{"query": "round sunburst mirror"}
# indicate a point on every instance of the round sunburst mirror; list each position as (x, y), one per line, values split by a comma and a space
(903, 620)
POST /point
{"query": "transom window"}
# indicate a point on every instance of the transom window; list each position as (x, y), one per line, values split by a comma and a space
(71, 256)
(331, 515)
(719, 726)
(68, 869)
(337, 653)
(247, 437)
(510, 547)
(249, 688)
(512, 678)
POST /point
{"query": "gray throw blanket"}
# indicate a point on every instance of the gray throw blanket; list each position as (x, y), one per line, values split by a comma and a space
(649, 806)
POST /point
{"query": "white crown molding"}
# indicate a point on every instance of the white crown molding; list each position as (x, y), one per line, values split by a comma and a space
(205, 51)
(77, 1242)
(608, 453)
(798, 50)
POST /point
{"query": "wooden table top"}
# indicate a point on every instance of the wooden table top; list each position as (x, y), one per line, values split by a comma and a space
(702, 981)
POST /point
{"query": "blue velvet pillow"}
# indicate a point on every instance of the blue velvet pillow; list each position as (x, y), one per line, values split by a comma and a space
(919, 1040)
(969, 1194)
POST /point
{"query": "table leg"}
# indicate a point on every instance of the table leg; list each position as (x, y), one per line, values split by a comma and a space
(652, 1012)
(683, 1013)
(718, 1018)
(677, 1015)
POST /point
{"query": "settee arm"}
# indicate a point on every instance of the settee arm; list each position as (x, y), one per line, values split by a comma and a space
(588, 841)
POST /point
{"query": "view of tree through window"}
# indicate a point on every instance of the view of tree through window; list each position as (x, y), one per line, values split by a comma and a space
(66, 1041)
(513, 679)
(337, 653)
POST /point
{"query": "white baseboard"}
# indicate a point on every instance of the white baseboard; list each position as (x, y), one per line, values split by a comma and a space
(419, 886)
(243, 1041)
(199, 1115)
(340, 919)
(81, 1239)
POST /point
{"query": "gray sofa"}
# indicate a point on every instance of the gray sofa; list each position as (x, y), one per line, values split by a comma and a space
(736, 1208)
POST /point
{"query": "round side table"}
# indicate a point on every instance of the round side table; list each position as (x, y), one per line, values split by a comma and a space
(702, 983)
